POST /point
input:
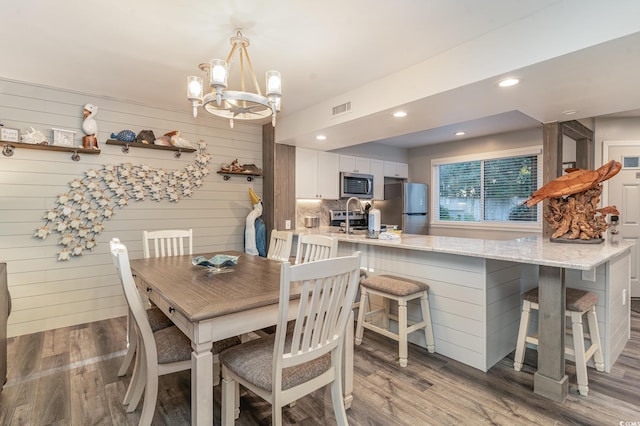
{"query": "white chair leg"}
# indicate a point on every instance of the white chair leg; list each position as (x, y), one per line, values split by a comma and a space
(579, 353)
(402, 331)
(131, 346)
(276, 416)
(338, 402)
(139, 383)
(521, 345)
(385, 313)
(229, 400)
(136, 377)
(426, 317)
(361, 315)
(216, 369)
(594, 332)
(150, 397)
(236, 404)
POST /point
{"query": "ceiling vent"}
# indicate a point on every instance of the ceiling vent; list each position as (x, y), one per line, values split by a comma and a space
(341, 109)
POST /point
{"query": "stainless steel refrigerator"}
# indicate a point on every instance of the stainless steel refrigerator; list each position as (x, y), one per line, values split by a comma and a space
(405, 205)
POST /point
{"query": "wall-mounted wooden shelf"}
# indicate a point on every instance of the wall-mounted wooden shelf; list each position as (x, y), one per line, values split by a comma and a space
(8, 148)
(249, 176)
(125, 147)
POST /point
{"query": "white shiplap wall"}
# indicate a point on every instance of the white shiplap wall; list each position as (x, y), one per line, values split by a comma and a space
(474, 302)
(48, 294)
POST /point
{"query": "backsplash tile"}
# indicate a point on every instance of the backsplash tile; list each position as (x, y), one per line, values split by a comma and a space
(316, 208)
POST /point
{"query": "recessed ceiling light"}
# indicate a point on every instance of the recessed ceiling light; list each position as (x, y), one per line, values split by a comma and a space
(321, 138)
(399, 114)
(569, 112)
(508, 82)
(460, 133)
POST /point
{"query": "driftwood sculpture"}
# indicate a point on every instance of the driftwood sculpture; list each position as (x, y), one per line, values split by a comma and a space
(573, 199)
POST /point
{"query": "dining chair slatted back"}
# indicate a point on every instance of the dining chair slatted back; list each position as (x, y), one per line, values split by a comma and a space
(312, 248)
(305, 357)
(167, 242)
(280, 245)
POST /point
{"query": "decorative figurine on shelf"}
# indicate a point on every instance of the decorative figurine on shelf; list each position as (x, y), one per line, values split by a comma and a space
(34, 136)
(145, 137)
(251, 169)
(234, 167)
(162, 141)
(178, 141)
(573, 200)
(124, 136)
(90, 127)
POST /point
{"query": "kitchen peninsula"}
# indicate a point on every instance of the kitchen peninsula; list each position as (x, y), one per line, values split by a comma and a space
(475, 288)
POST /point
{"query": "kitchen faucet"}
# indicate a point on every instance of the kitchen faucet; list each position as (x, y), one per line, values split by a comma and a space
(346, 221)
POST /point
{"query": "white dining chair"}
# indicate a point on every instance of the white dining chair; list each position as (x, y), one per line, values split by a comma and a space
(163, 352)
(158, 353)
(169, 242)
(280, 245)
(315, 247)
(310, 249)
(286, 366)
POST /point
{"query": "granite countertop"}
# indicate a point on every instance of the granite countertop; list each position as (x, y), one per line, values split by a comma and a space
(535, 249)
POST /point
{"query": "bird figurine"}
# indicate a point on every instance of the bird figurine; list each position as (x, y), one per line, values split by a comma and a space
(90, 127)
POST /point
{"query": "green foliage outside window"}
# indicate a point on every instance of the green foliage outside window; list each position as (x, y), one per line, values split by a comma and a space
(488, 190)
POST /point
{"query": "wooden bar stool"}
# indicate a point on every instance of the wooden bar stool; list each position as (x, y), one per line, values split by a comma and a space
(578, 303)
(401, 290)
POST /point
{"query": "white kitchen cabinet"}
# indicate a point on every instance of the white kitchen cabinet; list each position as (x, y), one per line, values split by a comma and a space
(317, 174)
(351, 164)
(377, 170)
(396, 170)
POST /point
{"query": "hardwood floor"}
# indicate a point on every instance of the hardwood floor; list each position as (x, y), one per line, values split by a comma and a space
(69, 377)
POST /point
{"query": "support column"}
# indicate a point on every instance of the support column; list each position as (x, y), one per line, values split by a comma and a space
(550, 380)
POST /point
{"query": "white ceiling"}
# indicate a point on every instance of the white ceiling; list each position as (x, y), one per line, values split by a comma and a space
(438, 59)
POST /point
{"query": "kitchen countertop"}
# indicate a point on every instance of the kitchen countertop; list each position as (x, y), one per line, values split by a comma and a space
(534, 249)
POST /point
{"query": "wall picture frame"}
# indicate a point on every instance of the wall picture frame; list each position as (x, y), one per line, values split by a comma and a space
(63, 137)
(9, 135)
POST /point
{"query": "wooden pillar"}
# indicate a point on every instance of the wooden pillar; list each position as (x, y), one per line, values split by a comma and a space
(551, 163)
(550, 380)
(268, 168)
(584, 143)
(279, 204)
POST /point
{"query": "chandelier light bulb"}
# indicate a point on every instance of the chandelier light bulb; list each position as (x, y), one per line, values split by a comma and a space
(218, 73)
(194, 87)
(274, 83)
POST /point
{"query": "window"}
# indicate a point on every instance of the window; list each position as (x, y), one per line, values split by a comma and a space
(487, 190)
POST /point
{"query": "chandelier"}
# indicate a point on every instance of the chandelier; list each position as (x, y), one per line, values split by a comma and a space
(235, 104)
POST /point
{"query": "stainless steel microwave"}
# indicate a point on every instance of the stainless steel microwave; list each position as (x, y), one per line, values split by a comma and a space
(356, 185)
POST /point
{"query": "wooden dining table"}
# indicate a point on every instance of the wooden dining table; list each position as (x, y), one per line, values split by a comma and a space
(209, 305)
